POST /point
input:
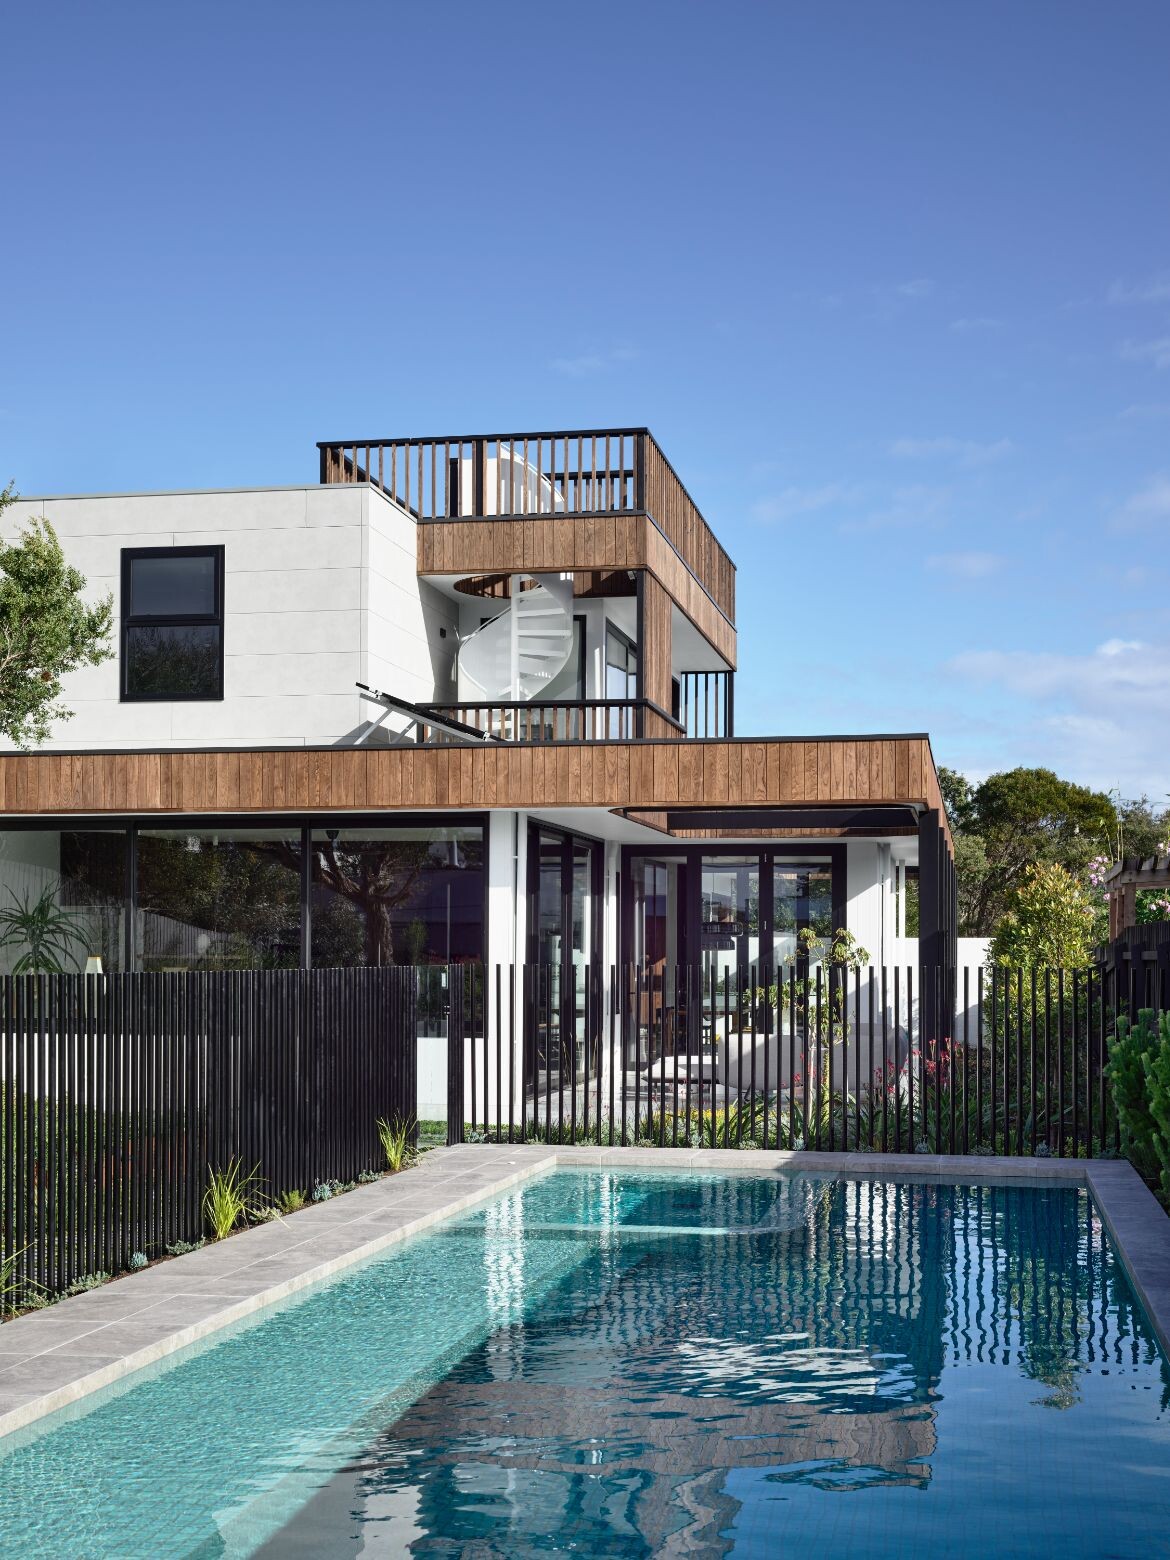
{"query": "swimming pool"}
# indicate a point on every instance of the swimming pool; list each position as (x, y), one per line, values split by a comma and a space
(625, 1364)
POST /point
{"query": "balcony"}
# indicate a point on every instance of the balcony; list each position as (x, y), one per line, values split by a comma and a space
(705, 711)
(579, 720)
(591, 475)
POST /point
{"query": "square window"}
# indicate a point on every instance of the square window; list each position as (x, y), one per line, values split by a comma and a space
(172, 623)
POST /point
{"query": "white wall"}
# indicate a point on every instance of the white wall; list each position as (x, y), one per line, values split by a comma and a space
(865, 892)
(320, 592)
(404, 649)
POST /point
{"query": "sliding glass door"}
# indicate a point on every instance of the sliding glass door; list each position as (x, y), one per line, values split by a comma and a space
(564, 912)
(729, 911)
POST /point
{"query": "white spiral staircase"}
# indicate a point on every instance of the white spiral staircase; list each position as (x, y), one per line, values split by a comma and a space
(518, 653)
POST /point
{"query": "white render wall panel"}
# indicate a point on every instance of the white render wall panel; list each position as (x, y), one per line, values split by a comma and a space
(320, 592)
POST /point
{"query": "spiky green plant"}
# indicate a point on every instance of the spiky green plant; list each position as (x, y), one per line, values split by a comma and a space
(231, 1194)
(48, 933)
(395, 1138)
(12, 1288)
(290, 1201)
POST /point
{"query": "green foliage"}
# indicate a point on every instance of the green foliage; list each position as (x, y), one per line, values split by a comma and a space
(1126, 1071)
(395, 1138)
(46, 630)
(83, 1285)
(1141, 831)
(180, 1248)
(958, 796)
(47, 933)
(231, 1195)
(1157, 1066)
(138, 1260)
(1012, 821)
(291, 1201)
(1049, 923)
(15, 1292)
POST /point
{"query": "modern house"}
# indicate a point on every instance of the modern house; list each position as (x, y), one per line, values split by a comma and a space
(465, 699)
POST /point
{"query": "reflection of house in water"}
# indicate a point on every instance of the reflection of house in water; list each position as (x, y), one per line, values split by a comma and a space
(795, 1326)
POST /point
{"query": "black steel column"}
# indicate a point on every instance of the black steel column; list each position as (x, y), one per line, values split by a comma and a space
(455, 1021)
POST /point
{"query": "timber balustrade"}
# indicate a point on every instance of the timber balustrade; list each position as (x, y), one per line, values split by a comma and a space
(581, 720)
(584, 474)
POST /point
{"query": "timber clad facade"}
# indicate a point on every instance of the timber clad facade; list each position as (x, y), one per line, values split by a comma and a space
(645, 775)
(466, 702)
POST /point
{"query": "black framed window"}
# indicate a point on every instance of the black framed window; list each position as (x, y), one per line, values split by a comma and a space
(621, 664)
(172, 623)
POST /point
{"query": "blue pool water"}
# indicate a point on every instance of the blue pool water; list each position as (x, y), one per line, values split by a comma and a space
(616, 1365)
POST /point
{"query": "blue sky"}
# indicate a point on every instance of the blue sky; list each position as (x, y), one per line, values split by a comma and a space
(891, 283)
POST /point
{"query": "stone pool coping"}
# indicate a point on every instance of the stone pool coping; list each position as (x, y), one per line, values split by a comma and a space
(56, 1357)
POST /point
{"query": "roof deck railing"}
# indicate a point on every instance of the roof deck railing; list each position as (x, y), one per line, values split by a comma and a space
(582, 474)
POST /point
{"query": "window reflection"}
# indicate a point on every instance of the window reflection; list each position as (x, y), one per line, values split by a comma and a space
(62, 900)
(397, 896)
(221, 899)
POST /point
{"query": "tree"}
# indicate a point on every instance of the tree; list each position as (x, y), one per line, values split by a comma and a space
(1049, 922)
(1015, 820)
(958, 795)
(46, 630)
(1141, 831)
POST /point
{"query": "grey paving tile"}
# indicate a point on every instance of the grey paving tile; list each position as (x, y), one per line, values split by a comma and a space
(184, 1310)
(46, 1372)
(43, 1330)
(105, 1305)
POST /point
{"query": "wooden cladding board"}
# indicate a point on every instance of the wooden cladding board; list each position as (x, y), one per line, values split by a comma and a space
(654, 643)
(689, 534)
(607, 543)
(665, 564)
(514, 546)
(596, 774)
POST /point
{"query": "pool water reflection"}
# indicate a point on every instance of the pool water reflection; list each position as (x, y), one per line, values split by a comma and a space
(646, 1364)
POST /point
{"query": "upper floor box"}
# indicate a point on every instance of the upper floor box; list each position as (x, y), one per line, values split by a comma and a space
(534, 586)
(247, 617)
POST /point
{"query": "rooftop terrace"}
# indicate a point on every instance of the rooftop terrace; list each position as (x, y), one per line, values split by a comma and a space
(584, 474)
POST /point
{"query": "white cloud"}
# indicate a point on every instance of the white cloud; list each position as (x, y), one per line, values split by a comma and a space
(892, 299)
(1147, 411)
(589, 363)
(1156, 289)
(965, 565)
(1099, 717)
(915, 505)
(969, 326)
(1150, 503)
(792, 502)
(1156, 352)
(1119, 646)
(967, 453)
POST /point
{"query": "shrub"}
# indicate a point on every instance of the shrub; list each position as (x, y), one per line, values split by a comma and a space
(11, 1288)
(395, 1138)
(1126, 1071)
(231, 1195)
(291, 1201)
(82, 1286)
(1157, 1067)
(138, 1260)
(1050, 922)
(180, 1248)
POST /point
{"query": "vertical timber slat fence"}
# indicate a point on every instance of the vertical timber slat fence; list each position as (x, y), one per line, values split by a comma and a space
(908, 1059)
(118, 1093)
